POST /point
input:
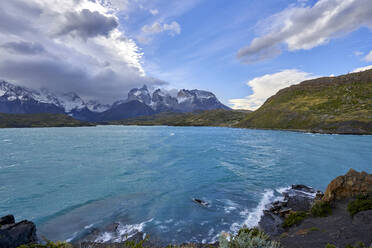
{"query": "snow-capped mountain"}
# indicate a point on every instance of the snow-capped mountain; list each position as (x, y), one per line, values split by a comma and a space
(71, 101)
(192, 100)
(141, 95)
(163, 102)
(95, 106)
(19, 100)
(185, 101)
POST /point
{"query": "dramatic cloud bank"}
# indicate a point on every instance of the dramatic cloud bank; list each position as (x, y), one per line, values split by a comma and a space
(70, 45)
(268, 85)
(305, 27)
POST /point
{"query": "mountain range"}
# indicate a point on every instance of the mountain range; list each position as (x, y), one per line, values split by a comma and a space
(139, 102)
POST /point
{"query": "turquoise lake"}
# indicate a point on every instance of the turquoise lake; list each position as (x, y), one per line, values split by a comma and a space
(73, 181)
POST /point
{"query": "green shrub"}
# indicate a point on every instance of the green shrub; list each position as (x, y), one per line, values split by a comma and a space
(248, 238)
(49, 244)
(330, 246)
(294, 218)
(358, 245)
(362, 203)
(313, 229)
(253, 231)
(321, 209)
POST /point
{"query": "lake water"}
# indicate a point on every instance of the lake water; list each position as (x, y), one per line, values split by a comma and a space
(71, 181)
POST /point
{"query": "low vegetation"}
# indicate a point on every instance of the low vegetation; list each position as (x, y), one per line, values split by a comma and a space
(321, 209)
(49, 244)
(361, 203)
(218, 118)
(331, 105)
(294, 219)
(39, 120)
(248, 238)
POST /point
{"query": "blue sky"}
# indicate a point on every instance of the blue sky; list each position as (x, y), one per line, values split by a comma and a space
(241, 50)
(203, 55)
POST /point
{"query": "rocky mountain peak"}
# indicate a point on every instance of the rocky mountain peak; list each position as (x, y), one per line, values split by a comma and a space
(140, 94)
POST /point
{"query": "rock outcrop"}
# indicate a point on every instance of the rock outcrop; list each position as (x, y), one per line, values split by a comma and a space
(15, 234)
(352, 184)
(297, 198)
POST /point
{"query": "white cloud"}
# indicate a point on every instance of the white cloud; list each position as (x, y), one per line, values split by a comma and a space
(368, 57)
(358, 53)
(265, 86)
(154, 11)
(148, 31)
(91, 55)
(363, 68)
(173, 28)
(305, 27)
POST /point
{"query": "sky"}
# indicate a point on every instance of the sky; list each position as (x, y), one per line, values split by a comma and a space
(243, 51)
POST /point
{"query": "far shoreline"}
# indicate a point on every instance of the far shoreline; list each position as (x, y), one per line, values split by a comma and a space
(243, 128)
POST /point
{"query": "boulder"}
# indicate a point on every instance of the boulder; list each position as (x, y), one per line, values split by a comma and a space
(271, 223)
(9, 219)
(297, 198)
(352, 184)
(13, 234)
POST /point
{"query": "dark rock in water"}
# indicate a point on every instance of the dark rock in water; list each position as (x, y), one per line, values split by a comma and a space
(13, 234)
(201, 202)
(9, 219)
(303, 188)
(297, 198)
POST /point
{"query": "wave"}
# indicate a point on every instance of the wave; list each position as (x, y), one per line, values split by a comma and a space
(253, 216)
(122, 233)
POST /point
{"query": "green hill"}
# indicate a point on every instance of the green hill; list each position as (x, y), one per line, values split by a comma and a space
(340, 104)
(39, 120)
(222, 118)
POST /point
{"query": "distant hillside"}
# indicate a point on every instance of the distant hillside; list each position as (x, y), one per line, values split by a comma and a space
(39, 120)
(220, 117)
(340, 104)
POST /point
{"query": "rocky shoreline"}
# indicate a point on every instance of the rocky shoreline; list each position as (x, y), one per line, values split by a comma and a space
(303, 217)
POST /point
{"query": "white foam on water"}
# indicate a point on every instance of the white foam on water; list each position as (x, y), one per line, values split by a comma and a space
(104, 237)
(169, 221)
(172, 134)
(73, 236)
(88, 226)
(123, 232)
(283, 189)
(254, 216)
(230, 206)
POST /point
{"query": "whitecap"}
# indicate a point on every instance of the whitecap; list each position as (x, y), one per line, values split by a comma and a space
(172, 134)
(72, 237)
(104, 237)
(169, 221)
(253, 216)
(231, 206)
(123, 232)
(211, 231)
(88, 226)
